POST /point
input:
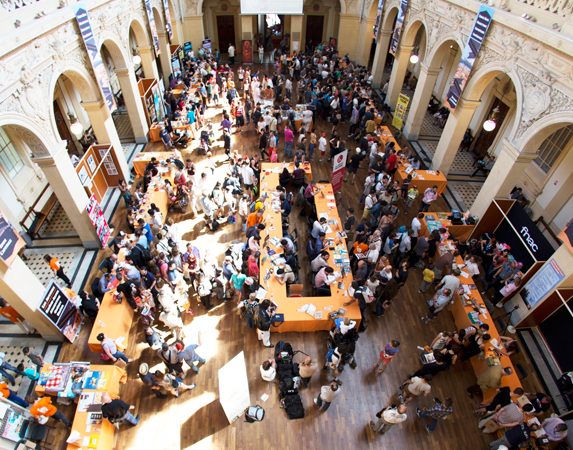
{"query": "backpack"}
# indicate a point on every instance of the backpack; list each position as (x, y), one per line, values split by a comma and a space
(202, 290)
(145, 253)
(254, 414)
(284, 352)
(95, 289)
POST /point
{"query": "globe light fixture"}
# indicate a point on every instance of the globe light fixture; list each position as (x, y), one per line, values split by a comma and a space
(414, 59)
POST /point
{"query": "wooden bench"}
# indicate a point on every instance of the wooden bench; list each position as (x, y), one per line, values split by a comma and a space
(40, 216)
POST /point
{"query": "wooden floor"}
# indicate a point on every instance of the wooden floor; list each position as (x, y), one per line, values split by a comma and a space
(196, 419)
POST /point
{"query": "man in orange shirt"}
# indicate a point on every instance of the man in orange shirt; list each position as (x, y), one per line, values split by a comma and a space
(9, 395)
(255, 218)
(57, 269)
(12, 315)
(43, 407)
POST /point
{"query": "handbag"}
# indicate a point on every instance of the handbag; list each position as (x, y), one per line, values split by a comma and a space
(277, 319)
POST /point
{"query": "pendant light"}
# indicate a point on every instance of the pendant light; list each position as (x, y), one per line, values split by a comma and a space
(75, 126)
(491, 122)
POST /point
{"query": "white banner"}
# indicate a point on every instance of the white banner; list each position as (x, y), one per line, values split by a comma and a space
(234, 388)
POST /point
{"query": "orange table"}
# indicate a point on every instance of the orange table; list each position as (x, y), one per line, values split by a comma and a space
(387, 136)
(289, 166)
(118, 375)
(458, 231)
(142, 159)
(460, 313)
(295, 320)
(429, 180)
(114, 319)
(155, 130)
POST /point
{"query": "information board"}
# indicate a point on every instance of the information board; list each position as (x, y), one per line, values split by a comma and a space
(61, 311)
(542, 283)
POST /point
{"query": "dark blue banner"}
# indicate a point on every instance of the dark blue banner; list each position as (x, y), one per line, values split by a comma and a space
(398, 27)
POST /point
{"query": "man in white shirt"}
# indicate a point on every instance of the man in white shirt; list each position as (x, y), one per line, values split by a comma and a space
(416, 226)
(322, 145)
(320, 261)
(306, 119)
(327, 395)
(231, 54)
(388, 418)
(368, 182)
(415, 387)
(451, 282)
(318, 226)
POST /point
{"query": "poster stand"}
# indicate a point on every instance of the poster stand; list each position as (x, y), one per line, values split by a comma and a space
(151, 99)
(99, 170)
(177, 56)
(61, 311)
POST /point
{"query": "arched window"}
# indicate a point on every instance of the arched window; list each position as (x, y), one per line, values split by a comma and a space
(11, 160)
(552, 147)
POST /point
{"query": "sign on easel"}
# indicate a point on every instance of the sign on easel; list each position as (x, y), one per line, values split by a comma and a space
(338, 168)
(61, 311)
(234, 388)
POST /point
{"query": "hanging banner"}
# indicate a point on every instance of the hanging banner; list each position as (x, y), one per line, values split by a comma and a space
(83, 18)
(378, 20)
(400, 111)
(471, 50)
(398, 27)
(247, 51)
(338, 167)
(153, 27)
(98, 220)
(542, 283)
(61, 311)
(10, 241)
(168, 18)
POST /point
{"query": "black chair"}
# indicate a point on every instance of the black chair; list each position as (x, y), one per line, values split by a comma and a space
(296, 246)
(323, 181)
(36, 432)
(501, 324)
(521, 372)
(295, 233)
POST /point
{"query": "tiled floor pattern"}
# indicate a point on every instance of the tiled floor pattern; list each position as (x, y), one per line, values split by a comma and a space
(122, 124)
(463, 162)
(59, 226)
(69, 259)
(14, 356)
(465, 192)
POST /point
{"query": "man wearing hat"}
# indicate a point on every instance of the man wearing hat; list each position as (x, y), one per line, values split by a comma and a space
(189, 355)
(149, 379)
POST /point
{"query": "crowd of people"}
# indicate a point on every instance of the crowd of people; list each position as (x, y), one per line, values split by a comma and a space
(160, 270)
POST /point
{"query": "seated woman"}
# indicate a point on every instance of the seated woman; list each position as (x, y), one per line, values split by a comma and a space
(285, 178)
(268, 370)
(507, 346)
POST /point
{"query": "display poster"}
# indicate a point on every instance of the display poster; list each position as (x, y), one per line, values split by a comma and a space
(176, 66)
(187, 47)
(10, 240)
(479, 30)
(378, 20)
(338, 168)
(153, 27)
(98, 220)
(234, 388)
(168, 26)
(332, 42)
(398, 27)
(61, 311)
(400, 112)
(91, 163)
(83, 18)
(542, 283)
(206, 44)
(108, 163)
(247, 52)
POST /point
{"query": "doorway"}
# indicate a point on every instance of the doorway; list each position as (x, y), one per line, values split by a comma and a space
(314, 25)
(63, 130)
(226, 32)
(487, 138)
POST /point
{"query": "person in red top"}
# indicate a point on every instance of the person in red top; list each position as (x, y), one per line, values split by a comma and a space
(391, 163)
(57, 269)
(43, 407)
(9, 395)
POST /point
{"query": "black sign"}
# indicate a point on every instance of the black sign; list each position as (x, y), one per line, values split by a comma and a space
(60, 310)
(527, 239)
(8, 239)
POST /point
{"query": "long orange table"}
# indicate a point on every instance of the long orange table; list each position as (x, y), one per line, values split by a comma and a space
(289, 306)
(155, 129)
(458, 231)
(460, 313)
(114, 319)
(142, 159)
(429, 179)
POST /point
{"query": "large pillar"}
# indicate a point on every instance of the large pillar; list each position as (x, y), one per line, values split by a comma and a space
(453, 133)
(148, 62)
(380, 57)
(65, 183)
(165, 56)
(398, 73)
(193, 30)
(247, 34)
(506, 172)
(22, 289)
(133, 104)
(422, 95)
(348, 32)
(366, 33)
(447, 70)
(296, 33)
(105, 131)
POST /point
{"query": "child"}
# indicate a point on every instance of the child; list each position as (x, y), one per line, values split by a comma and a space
(210, 162)
(412, 194)
(29, 372)
(427, 281)
(274, 157)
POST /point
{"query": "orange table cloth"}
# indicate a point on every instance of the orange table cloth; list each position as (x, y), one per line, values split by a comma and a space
(268, 167)
(385, 137)
(114, 319)
(458, 231)
(295, 320)
(142, 159)
(155, 130)
(460, 313)
(428, 181)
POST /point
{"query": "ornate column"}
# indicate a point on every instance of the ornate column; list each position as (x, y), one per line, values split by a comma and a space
(447, 69)
(65, 183)
(453, 134)
(366, 33)
(133, 104)
(398, 74)
(105, 131)
(165, 56)
(427, 80)
(148, 62)
(380, 56)
(22, 289)
(506, 172)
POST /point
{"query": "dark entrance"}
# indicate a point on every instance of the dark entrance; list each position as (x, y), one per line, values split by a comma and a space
(226, 32)
(314, 25)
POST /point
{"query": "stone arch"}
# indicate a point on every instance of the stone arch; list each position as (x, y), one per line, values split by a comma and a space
(160, 22)
(410, 32)
(389, 17)
(435, 55)
(139, 32)
(39, 142)
(115, 49)
(541, 129)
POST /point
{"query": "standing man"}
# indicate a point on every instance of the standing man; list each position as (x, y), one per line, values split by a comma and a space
(306, 369)
(231, 54)
(57, 269)
(43, 407)
(388, 417)
(438, 411)
(117, 410)
(9, 395)
(189, 354)
(149, 379)
(34, 357)
(289, 137)
(415, 387)
(263, 321)
(327, 395)
(4, 366)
